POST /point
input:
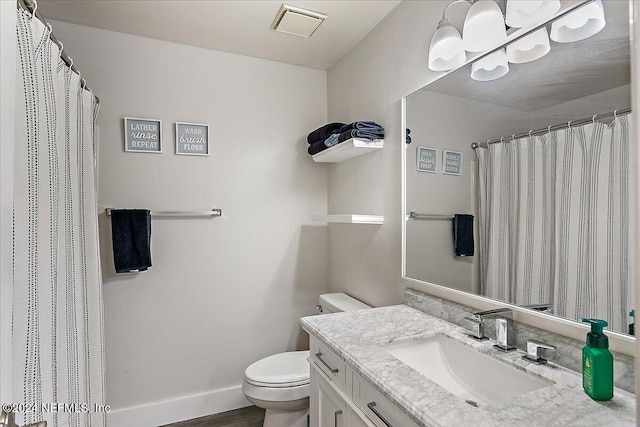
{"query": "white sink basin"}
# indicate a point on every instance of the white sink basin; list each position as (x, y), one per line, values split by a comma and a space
(475, 377)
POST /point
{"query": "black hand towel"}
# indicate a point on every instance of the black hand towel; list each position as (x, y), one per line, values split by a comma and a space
(131, 236)
(463, 234)
(323, 132)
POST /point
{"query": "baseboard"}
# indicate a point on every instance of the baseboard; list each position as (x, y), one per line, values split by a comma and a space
(180, 409)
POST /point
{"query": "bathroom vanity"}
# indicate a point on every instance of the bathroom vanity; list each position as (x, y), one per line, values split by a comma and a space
(359, 379)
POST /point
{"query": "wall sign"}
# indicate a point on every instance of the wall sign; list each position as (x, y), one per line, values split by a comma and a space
(142, 135)
(192, 139)
(427, 159)
(452, 162)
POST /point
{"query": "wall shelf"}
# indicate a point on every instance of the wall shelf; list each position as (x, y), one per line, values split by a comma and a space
(348, 149)
(350, 219)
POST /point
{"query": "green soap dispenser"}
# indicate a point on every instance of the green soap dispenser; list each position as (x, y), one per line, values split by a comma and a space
(597, 362)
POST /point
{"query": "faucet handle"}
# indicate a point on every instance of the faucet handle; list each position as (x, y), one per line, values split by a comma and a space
(533, 351)
(477, 332)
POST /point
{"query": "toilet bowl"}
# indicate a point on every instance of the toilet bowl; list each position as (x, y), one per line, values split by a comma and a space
(280, 383)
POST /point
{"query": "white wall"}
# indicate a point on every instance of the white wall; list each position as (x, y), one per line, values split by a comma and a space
(368, 84)
(222, 292)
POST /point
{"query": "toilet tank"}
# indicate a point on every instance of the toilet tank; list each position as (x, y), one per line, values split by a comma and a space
(337, 302)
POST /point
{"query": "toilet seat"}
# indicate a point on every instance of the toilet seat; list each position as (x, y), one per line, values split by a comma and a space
(282, 370)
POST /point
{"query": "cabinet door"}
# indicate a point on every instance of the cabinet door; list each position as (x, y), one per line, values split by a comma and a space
(327, 407)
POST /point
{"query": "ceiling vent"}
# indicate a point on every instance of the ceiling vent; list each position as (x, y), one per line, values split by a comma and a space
(297, 21)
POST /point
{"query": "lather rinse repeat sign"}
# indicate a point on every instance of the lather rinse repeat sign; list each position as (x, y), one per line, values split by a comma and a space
(143, 135)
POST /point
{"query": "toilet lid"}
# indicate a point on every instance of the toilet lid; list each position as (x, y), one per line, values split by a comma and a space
(280, 370)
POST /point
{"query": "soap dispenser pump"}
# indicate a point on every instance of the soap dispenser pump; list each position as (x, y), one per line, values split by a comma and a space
(597, 362)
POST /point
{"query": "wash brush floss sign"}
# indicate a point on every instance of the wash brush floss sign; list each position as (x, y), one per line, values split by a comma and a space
(192, 139)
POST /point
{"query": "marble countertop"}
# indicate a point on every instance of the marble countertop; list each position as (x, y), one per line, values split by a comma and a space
(357, 335)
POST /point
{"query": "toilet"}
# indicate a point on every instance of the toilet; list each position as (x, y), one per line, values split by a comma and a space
(280, 383)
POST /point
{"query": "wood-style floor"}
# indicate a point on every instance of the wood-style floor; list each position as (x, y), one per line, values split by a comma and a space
(250, 416)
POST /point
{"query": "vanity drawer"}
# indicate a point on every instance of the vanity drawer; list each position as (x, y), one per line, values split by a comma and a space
(377, 407)
(330, 363)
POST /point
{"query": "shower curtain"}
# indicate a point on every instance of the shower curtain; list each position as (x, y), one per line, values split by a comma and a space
(554, 221)
(57, 312)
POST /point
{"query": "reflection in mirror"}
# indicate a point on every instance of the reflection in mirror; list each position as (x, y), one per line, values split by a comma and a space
(547, 180)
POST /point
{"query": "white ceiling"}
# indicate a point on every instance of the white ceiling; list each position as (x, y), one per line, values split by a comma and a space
(242, 27)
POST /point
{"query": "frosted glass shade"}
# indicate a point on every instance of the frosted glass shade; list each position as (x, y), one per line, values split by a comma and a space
(490, 67)
(527, 13)
(579, 24)
(483, 27)
(446, 51)
(529, 48)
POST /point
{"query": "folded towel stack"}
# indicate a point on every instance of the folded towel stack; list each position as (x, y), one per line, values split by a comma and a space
(335, 133)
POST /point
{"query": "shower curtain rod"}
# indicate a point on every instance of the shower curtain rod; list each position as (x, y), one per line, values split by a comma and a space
(542, 131)
(31, 6)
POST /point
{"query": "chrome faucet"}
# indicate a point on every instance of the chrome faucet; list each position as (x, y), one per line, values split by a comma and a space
(502, 336)
(533, 351)
(542, 307)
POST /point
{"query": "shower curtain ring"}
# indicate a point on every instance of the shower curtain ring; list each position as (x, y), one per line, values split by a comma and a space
(549, 129)
(594, 118)
(569, 124)
(513, 137)
(501, 138)
(615, 115)
(71, 62)
(83, 83)
(50, 28)
(35, 9)
(530, 133)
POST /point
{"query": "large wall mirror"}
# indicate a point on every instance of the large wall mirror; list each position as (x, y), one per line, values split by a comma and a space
(547, 181)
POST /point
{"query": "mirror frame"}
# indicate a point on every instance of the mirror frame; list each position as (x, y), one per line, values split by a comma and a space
(621, 343)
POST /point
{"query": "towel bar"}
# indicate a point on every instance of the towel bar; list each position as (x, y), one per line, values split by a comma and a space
(212, 213)
(415, 215)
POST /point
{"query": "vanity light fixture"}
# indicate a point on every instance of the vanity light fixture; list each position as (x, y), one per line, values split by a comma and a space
(527, 13)
(533, 46)
(297, 21)
(446, 50)
(485, 28)
(490, 67)
(579, 24)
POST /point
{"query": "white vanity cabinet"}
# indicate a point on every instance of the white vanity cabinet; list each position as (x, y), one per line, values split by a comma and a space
(340, 397)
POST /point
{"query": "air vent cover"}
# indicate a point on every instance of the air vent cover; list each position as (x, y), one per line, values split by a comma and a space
(297, 21)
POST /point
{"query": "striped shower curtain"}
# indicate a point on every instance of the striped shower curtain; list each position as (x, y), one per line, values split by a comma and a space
(57, 312)
(554, 221)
